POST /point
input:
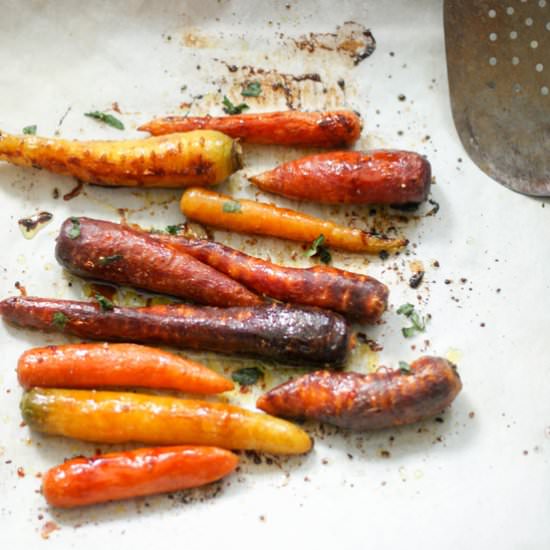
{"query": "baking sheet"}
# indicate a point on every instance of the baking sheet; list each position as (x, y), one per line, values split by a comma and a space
(479, 478)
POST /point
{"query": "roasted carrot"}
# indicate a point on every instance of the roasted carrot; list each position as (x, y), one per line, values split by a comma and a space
(115, 476)
(292, 334)
(116, 417)
(356, 296)
(108, 365)
(260, 218)
(352, 177)
(293, 128)
(203, 157)
(117, 253)
(381, 399)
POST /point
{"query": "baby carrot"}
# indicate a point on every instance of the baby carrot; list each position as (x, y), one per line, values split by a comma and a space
(115, 476)
(258, 218)
(117, 417)
(104, 365)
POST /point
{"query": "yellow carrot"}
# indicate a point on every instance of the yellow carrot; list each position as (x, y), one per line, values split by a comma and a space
(118, 417)
(203, 157)
(258, 218)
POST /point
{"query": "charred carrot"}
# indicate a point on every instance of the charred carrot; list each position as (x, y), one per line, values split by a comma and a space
(359, 401)
(286, 333)
(352, 177)
(119, 254)
(116, 417)
(292, 128)
(203, 157)
(115, 476)
(259, 218)
(356, 296)
(108, 365)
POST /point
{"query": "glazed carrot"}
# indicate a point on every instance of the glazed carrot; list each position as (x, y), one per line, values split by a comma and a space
(359, 297)
(195, 158)
(352, 177)
(260, 218)
(116, 417)
(292, 334)
(293, 128)
(115, 476)
(108, 365)
(357, 401)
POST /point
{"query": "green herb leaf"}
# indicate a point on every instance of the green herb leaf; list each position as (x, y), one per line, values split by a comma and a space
(408, 331)
(404, 367)
(418, 323)
(318, 249)
(108, 119)
(231, 207)
(74, 231)
(232, 109)
(30, 130)
(254, 89)
(247, 376)
(59, 320)
(104, 303)
(172, 229)
(106, 260)
(405, 309)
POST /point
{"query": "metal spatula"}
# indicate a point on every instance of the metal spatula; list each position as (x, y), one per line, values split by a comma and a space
(498, 60)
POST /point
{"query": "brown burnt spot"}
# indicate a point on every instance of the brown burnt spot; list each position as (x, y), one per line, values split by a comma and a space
(74, 192)
(31, 225)
(20, 472)
(21, 288)
(351, 40)
(48, 528)
(116, 107)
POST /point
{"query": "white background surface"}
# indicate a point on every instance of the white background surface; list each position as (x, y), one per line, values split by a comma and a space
(480, 482)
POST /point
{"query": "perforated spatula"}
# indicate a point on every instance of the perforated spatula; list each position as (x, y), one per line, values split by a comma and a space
(498, 60)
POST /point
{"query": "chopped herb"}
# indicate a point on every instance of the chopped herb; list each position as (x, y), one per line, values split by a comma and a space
(183, 88)
(106, 260)
(404, 367)
(418, 323)
(318, 249)
(247, 376)
(108, 119)
(59, 320)
(405, 309)
(74, 231)
(254, 89)
(231, 207)
(104, 303)
(30, 130)
(231, 109)
(173, 229)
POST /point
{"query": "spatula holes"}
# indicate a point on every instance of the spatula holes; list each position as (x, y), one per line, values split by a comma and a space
(548, 26)
(517, 88)
(513, 35)
(544, 90)
(510, 10)
(493, 37)
(492, 14)
(542, 3)
(492, 61)
(534, 44)
(528, 22)
(515, 60)
(539, 67)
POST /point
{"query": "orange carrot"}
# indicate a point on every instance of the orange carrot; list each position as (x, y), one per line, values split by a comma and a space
(105, 365)
(260, 218)
(291, 128)
(116, 476)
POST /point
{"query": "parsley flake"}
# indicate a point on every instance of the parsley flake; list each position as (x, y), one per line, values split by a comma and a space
(173, 229)
(404, 367)
(30, 130)
(247, 376)
(232, 109)
(232, 207)
(104, 303)
(318, 249)
(74, 231)
(106, 118)
(59, 320)
(418, 323)
(253, 89)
